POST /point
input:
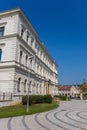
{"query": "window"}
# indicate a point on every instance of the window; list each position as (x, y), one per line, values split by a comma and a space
(25, 84)
(28, 35)
(32, 40)
(22, 32)
(35, 46)
(1, 31)
(31, 63)
(41, 54)
(19, 84)
(40, 89)
(38, 50)
(26, 59)
(37, 68)
(0, 54)
(20, 59)
(37, 89)
(30, 88)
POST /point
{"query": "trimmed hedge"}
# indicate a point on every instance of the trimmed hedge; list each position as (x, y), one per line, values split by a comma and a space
(64, 98)
(36, 99)
(47, 99)
(61, 97)
(85, 94)
(24, 101)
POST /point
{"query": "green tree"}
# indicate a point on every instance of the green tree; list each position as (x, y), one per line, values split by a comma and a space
(84, 86)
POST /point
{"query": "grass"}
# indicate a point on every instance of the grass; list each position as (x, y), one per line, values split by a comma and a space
(18, 110)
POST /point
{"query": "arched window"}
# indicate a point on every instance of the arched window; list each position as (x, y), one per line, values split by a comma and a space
(40, 89)
(30, 86)
(37, 89)
(25, 84)
(19, 85)
(0, 54)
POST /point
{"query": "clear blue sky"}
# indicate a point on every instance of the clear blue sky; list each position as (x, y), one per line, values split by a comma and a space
(62, 26)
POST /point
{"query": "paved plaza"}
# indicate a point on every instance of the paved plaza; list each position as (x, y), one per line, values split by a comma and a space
(70, 115)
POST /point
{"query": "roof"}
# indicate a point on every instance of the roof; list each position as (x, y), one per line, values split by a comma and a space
(64, 88)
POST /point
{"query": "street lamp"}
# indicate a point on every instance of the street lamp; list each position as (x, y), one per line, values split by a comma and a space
(31, 57)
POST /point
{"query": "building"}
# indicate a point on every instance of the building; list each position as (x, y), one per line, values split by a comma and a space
(69, 90)
(24, 60)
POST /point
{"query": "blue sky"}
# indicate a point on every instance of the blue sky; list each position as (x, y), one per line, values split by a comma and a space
(62, 26)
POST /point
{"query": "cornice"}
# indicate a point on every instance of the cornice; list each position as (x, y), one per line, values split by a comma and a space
(8, 36)
(24, 70)
(46, 51)
(9, 12)
(22, 14)
(16, 66)
(27, 46)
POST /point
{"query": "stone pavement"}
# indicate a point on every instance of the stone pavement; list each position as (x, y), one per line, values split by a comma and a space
(71, 115)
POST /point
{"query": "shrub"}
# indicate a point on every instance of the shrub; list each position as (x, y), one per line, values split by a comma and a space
(56, 96)
(63, 98)
(31, 99)
(38, 99)
(47, 99)
(24, 100)
(85, 94)
(35, 99)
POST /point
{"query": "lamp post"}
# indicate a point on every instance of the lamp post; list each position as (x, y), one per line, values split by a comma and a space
(31, 57)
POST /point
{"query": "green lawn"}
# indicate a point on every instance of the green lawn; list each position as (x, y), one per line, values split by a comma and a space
(19, 110)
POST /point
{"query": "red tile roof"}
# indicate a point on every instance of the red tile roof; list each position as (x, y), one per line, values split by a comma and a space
(64, 88)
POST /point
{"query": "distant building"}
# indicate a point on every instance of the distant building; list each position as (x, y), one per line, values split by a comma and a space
(24, 60)
(68, 90)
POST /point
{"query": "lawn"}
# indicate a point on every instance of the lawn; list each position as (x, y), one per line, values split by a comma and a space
(19, 110)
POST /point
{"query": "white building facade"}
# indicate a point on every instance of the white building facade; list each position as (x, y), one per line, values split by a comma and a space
(24, 60)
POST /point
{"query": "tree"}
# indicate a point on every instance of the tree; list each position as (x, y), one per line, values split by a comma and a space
(84, 87)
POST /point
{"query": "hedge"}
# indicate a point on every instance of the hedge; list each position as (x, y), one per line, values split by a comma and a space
(47, 99)
(35, 99)
(61, 97)
(85, 94)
